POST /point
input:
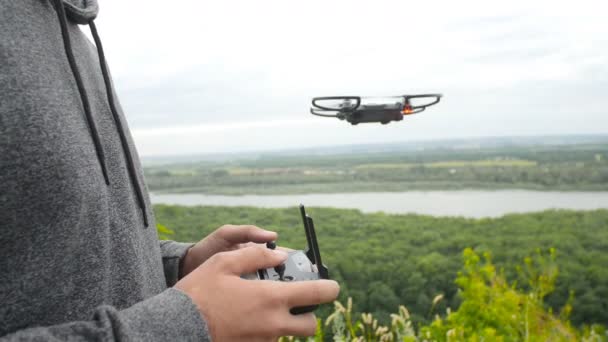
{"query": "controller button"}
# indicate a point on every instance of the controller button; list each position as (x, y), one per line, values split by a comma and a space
(280, 269)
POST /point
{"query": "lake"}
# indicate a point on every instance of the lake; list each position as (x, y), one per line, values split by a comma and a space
(468, 203)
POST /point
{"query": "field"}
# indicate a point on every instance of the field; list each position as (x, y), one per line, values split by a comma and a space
(567, 167)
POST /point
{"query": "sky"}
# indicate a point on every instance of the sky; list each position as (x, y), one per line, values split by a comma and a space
(198, 77)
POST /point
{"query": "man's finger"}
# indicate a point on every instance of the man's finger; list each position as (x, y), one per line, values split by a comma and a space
(253, 258)
(300, 325)
(247, 233)
(304, 293)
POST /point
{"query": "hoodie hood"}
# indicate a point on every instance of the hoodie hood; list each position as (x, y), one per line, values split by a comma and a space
(81, 11)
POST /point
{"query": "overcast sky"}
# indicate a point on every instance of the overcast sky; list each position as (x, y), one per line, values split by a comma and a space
(224, 76)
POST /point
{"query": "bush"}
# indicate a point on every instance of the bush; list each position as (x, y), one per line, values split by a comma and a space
(492, 309)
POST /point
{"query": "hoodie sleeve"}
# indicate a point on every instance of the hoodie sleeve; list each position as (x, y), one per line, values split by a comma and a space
(168, 316)
(173, 253)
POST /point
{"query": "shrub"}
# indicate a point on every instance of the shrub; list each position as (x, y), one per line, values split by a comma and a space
(492, 309)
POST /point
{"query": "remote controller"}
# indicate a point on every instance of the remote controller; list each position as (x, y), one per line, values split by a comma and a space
(300, 265)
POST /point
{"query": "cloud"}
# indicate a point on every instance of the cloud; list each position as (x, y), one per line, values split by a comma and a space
(236, 64)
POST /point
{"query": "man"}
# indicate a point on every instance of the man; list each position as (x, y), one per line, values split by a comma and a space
(79, 254)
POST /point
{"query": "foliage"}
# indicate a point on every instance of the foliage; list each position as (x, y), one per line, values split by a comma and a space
(492, 310)
(382, 261)
(164, 233)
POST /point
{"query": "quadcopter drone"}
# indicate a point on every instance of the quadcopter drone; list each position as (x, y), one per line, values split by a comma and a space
(356, 109)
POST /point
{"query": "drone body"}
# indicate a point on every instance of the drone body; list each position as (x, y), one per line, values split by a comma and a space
(356, 109)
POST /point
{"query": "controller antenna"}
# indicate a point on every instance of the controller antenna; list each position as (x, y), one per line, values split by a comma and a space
(312, 252)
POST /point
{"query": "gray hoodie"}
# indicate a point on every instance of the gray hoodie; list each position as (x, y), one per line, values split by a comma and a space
(79, 254)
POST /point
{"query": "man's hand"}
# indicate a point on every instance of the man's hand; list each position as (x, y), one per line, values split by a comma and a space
(237, 309)
(223, 239)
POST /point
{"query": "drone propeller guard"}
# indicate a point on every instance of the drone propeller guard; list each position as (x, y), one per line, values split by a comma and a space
(323, 110)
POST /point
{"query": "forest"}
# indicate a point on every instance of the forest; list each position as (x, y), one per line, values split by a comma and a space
(575, 167)
(383, 261)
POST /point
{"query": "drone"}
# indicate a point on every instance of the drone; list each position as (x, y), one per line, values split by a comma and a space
(356, 109)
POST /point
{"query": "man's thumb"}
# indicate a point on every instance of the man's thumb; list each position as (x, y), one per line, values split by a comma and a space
(253, 258)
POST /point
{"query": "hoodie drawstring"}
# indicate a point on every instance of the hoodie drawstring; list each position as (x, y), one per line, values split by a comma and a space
(83, 93)
(121, 132)
(87, 108)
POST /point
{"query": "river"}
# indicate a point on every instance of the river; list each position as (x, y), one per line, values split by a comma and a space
(467, 203)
